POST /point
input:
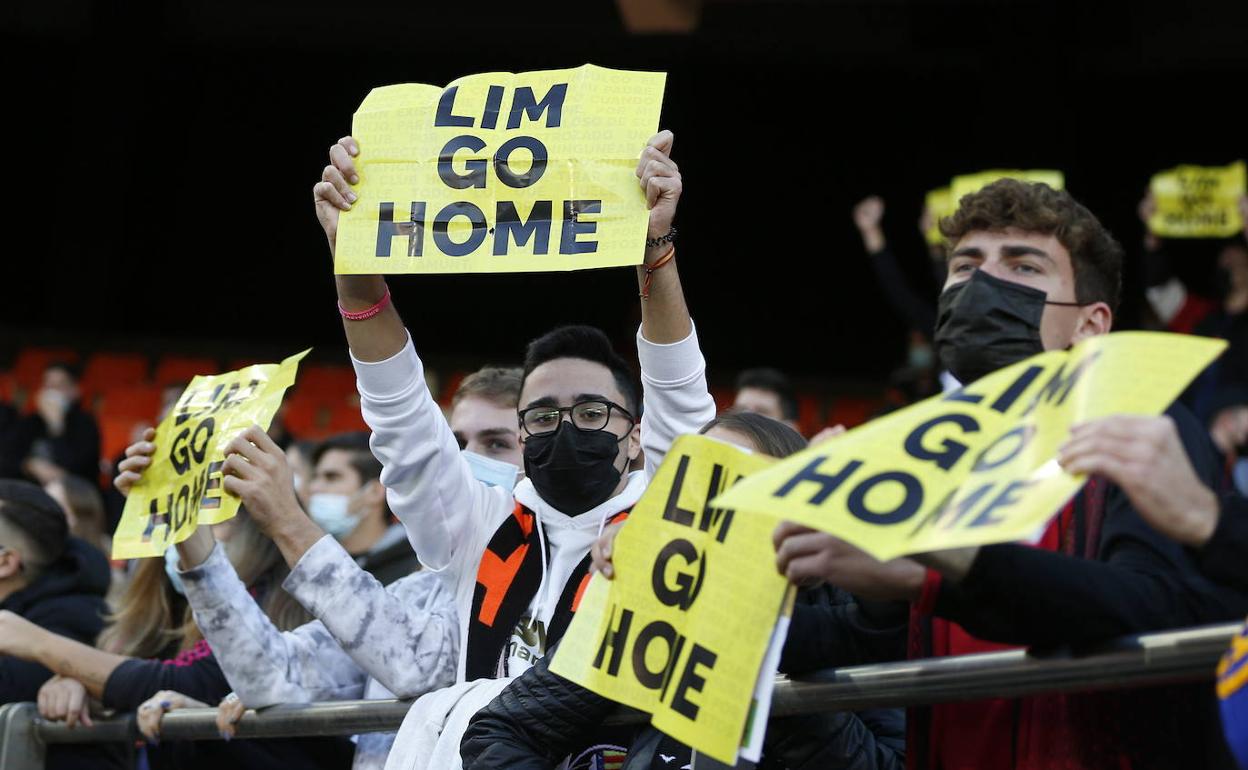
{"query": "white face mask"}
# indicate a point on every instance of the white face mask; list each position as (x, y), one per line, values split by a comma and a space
(495, 473)
(332, 513)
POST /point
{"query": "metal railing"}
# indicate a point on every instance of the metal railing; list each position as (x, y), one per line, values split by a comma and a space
(1168, 657)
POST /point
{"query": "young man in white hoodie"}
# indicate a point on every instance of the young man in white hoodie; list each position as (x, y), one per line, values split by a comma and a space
(517, 561)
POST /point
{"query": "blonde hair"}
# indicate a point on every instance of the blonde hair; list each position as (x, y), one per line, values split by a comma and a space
(144, 625)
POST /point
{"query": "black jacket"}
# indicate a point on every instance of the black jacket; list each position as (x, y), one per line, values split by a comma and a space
(391, 558)
(68, 599)
(540, 717)
(196, 674)
(1138, 580)
(77, 449)
(1224, 557)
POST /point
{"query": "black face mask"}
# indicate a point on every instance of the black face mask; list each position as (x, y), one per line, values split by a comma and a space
(573, 469)
(984, 324)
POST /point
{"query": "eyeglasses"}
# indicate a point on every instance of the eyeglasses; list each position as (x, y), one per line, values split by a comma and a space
(586, 415)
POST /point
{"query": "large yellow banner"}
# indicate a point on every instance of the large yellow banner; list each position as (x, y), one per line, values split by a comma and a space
(682, 630)
(977, 465)
(501, 172)
(182, 489)
(1198, 201)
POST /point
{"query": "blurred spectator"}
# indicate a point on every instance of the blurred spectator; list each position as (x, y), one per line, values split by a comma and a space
(124, 682)
(59, 437)
(84, 510)
(55, 582)
(347, 500)
(768, 392)
(917, 308)
(299, 457)
(483, 414)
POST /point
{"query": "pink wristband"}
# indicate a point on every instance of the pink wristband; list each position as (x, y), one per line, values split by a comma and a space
(364, 315)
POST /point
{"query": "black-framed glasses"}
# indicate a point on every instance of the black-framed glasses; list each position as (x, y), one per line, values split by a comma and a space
(586, 415)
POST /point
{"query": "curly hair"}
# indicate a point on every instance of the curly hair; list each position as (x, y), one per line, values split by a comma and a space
(1035, 207)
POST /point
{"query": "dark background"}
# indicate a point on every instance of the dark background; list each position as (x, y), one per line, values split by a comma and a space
(162, 157)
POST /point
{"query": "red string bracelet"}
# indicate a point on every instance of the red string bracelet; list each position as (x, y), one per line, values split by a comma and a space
(660, 262)
(364, 315)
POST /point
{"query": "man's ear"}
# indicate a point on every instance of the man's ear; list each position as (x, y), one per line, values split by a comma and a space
(10, 563)
(1094, 320)
(375, 493)
(634, 442)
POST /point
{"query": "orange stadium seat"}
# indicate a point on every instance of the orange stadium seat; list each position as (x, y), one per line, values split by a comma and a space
(109, 370)
(116, 433)
(132, 401)
(326, 380)
(180, 369)
(30, 363)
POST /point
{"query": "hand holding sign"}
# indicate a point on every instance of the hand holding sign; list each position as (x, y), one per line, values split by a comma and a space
(256, 471)
(1145, 457)
(660, 179)
(500, 172)
(333, 194)
(809, 557)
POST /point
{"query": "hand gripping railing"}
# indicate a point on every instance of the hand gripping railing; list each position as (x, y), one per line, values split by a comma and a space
(1167, 657)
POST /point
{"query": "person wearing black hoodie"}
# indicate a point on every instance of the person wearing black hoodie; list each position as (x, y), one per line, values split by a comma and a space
(56, 582)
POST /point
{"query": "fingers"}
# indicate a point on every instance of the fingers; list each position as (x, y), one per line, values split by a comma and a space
(327, 192)
(785, 530)
(799, 546)
(650, 157)
(352, 148)
(662, 141)
(661, 187)
(236, 466)
(247, 443)
(340, 160)
(229, 712)
(262, 440)
(602, 550)
(144, 448)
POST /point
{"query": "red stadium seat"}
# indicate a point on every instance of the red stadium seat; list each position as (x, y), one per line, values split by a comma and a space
(139, 402)
(809, 414)
(30, 363)
(328, 381)
(109, 370)
(116, 433)
(181, 369)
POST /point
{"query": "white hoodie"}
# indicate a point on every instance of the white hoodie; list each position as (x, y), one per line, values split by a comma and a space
(450, 517)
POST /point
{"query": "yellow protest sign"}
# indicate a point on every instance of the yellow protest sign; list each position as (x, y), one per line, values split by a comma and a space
(181, 489)
(501, 172)
(682, 630)
(1198, 201)
(977, 465)
(939, 204)
(969, 183)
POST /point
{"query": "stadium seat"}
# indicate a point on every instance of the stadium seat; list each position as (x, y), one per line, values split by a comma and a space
(140, 402)
(109, 370)
(180, 369)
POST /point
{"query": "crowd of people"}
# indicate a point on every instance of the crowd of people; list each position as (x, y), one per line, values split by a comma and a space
(441, 556)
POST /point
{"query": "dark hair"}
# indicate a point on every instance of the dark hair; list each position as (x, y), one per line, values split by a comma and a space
(1035, 207)
(497, 384)
(87, 506)
(38, 516)
(70, 368)
(355, 444)
(589, 344)
(770, 437)
(773, 381)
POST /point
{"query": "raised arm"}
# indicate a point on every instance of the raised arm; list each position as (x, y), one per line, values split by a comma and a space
(429, 486)
(673, 371)
(262, 664)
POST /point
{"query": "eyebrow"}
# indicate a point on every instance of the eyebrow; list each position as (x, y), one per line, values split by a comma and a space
(496, 432)
(1025, 251)
(576, 399)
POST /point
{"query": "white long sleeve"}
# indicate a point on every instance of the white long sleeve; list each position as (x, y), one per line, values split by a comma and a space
(406, 636)
(676, 398)
(428, 484)
(262, 664)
